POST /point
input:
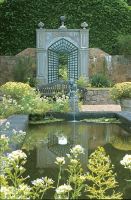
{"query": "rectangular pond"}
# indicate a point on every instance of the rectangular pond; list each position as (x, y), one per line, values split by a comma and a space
(44, 143)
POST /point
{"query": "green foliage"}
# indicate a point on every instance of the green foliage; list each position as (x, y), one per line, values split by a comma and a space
(21, 98)
(124, 44)
(100, 80)
(2, 1)
(63, 73)
(82, 82)
(121, 90)
(61, 103)
(17, 90)
(101, 177)
(18, 21)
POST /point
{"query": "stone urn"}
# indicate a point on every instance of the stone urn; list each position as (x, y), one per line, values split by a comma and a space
(125, 104)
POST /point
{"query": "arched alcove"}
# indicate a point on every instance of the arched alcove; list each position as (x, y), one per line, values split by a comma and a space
(52, 43)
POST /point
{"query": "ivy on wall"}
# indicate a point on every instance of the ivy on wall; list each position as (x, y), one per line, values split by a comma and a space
(19, 18)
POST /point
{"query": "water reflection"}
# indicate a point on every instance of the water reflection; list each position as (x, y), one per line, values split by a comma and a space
(56, 140)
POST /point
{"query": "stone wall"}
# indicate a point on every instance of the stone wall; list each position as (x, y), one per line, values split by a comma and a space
(117, 68)
(7, 63)
(6, 68)
(95, 96)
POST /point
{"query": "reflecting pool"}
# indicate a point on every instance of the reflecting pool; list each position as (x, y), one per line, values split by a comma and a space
(44, 143)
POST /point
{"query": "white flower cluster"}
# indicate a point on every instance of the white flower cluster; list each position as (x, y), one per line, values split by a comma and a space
(24, 188)
(63, 189)
(76, 150)
(62, 99)
(126, 161)
(40, 182)
(60, 161)
(74, 161)
(3, 137)
(17, 155)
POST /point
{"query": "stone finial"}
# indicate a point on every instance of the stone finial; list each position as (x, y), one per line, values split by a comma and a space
(62, 18)
(41, 25)
(84, 25)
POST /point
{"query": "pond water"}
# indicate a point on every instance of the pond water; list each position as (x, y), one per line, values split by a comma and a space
(44, 143)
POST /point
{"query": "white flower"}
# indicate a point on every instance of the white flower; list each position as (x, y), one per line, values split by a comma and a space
(74, 161)
(126, 161)
(7, 125)
(38, 182)
(22, 132)
(24, 188)
(14, 131)
(82, 177)
(68, 155)
(3, 137)
(76, 150)
(49, 181)
(60, 161)
(63, 189)
(16, 155)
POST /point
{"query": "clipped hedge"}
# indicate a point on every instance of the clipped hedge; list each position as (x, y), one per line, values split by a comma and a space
(19, 18)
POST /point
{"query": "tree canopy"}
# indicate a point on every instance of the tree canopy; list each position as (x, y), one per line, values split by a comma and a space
(19, 18)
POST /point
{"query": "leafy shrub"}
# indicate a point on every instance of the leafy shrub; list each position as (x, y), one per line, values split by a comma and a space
(100, 80)
(17, 90)
(82, 82)
(60, 104)
(121, 90)
(21, 98)
(101, 176)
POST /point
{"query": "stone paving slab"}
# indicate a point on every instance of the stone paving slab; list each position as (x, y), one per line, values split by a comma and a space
(17, 122)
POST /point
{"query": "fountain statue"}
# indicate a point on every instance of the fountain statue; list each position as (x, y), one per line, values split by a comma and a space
(73, 97)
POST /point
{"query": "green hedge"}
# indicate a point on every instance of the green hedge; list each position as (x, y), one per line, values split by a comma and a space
(19, 18)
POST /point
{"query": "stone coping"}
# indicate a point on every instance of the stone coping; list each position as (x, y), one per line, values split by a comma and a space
(95, 88)
(125, 116)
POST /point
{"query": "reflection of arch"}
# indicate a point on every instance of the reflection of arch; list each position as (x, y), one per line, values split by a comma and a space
(65, 47)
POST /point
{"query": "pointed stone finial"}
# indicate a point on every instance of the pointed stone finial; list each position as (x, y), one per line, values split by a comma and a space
(41, 25)
(62, 18)
(84, 25)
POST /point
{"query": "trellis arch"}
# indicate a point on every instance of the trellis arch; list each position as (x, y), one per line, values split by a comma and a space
(66, 47)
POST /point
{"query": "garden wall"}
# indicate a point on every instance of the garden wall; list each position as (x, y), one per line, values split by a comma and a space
(117, 68)
(95, 96)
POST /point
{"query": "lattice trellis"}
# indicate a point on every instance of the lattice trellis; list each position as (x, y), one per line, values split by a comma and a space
(65, 47)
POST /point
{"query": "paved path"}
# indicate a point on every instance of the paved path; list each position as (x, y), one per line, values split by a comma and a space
(109, 107)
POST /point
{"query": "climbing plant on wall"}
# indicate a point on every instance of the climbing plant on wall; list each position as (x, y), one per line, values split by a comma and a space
(19, 18)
